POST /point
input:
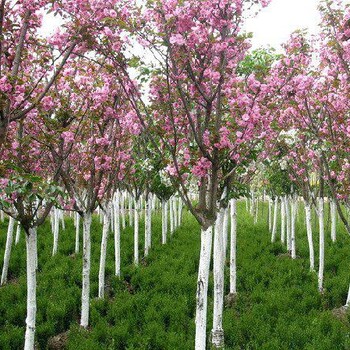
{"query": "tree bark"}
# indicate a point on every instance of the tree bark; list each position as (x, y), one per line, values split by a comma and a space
(85, 298)
(9, 242)
(56, 229)
(233, 243)
(164, 227)
(202, 288)
(309, 235)
(136, 232)
(333, 220)
(117, 204)
(77, 231)
(31, 248)
(292, 230)
(105, 231)
(217, 333)
(321, 244)
(283, 221)
(274, 226)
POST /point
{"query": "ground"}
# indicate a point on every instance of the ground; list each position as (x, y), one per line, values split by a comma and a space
(152, 307)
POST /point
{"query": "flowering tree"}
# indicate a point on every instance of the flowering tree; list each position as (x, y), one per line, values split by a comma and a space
(202, 115)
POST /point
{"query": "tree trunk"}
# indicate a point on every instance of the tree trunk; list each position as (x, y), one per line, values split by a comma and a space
(9, 241)
(18, 233)
(164, 228)
(117, 205)
(130, 210)
(202, 288)
(31, 248)
(149, 222)
(292, 229)
(333, 220)
(270, 214)
(233, 243)
(85, 298)
(217, 333)
(225, 229)
(180, 207)
(288, 223)
(283, 221)
(56, 228)
(309, 235)
(136, 231)
(77, 229)
(321, 233)
(122, 210)
(171, 213)
(274, 226)
(105, 231)
(347, 304)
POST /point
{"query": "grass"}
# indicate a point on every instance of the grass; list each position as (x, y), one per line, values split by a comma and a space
(153, 306)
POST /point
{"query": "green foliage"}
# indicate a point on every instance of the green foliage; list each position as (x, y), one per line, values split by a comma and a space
(257, 62)
(153, 306)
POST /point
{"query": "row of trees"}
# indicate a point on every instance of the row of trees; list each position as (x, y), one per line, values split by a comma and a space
(205, 117)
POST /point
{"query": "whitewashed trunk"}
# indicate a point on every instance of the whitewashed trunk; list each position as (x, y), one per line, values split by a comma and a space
(85, 296)
(104, 240)
(9, 241)
(270, 215)
(347, 304)
(175, 216)
(164, 227)
(18, 233)
(63, 223)
(252, 203)
(333, 220)
(149, 221)
(292, 230)
(77, 232)
(166, 217)
(171, 213)
(136, 231)
(116, 225)
(321, 243)
(56, 228)
(225, 229)
(288, 225)
(233, 243)
(274, 226)
(31, 248)
(148, 208)
(217, 333)
(122, 209)
(130, 210)
(180, 207)
(2, 216)
(202, 288)
(309, 235)
(283, 221)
